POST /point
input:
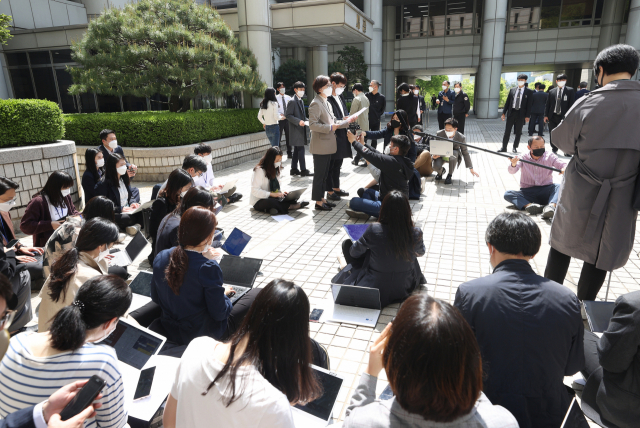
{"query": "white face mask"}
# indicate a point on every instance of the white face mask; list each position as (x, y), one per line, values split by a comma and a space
(65, 192)
(405, 95)
(444, 88)
(113, 144)
(370, 88)
(339, 91)
(456, 90)
(102, 254)
(183, 193)
(387, 150)
(416, 92)
(103, 338)
(100, 163)
(282, 91)
(301, 94)
(277, 164)
(208, 158)
(6, 206)
(122, 170)
(520, 83)
(561, 83)
(327, 91)
(450, 133)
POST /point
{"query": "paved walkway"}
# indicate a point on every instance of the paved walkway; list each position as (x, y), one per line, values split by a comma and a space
(453, 218)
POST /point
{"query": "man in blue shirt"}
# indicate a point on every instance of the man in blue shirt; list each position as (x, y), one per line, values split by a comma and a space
(582, 90)
(445, 104)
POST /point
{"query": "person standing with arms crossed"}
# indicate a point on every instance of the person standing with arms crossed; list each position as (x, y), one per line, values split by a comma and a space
(445, 104)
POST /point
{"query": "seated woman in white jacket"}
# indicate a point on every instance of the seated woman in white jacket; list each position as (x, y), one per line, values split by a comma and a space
(266, 194)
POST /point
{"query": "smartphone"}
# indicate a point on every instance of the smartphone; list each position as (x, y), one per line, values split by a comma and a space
(358, 132)
(315, 315)
(83, 398)
(144, 383)
(12, 243)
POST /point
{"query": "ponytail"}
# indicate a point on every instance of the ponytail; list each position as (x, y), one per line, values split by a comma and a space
(177, 269)
(61, 271)
(68, 330)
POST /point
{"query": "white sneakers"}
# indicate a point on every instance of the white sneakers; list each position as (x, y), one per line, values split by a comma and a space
(549, 211)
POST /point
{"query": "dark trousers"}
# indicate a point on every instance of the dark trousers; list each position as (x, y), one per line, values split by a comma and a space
(591, 278)
(591, 359)
(441, 118)
(543, 195)
(267, 204)
(461, 119)
(346, 252)
(124, 220)
(536, 119)
(298, 157)
(333, 178)
(284, 126)
(321, 164)
(514, 120)
(239, 311)
(374, 143)
(554, 121)
(21, 286)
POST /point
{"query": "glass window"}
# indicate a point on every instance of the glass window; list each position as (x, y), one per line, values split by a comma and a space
(67, 101)
(479, 16)
(109, 103)
(627, 9)
(398, 20)
(159, 102)
(550, 13)
(87, 103)
(459, 17)
(62, 56)
(16, 59)
(524, 15)
(131, 103)
(45, 84)
(21, 80)
(575, 10)
(414, 17)
(40, 58)
(437, 14)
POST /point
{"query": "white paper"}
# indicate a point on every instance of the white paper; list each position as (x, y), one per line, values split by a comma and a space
(283, 217)
(163, 379)
(358, 113)
(306, 123)
(141, 207)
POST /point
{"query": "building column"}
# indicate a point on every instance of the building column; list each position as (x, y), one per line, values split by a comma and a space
(300, 53)
(254, 21)
(317, 64)
(491, 55)
(633, 29)
(388, 48)
(611, 23)
(5, 83)
(373, 49)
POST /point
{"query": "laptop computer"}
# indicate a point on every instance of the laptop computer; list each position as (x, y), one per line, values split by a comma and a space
(228, 186)
(598, 314)
(318, 412)
(126, 257)
(441, 148)
(236, 242)
(294, 195)
(355, 231)
(574, 417)
(240, 273)
(354, 305)
(134, 344)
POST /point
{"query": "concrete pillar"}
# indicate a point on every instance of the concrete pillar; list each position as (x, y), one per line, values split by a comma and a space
(5, 83)
(373, 49)
(611, 23)
(317, 64)
(388, 48)
(633, 29)
(300, 53)
(254, 21)
(491, 55)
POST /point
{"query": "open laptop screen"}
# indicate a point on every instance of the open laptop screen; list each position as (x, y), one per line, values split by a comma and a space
(241, 271)
(351, 295)
(133, 345)
(136, 245)
(236, 242)
(141, 284)
(322, 407)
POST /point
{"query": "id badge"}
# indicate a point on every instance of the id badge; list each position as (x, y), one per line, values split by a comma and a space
(565, 98)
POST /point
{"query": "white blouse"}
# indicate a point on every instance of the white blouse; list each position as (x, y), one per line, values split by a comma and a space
(56, 212)
(259, 185)
(270, 116)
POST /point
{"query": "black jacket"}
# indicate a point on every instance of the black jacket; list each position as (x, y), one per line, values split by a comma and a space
(19, 419)
(106, 188)
(531, 335)
(568, 98)
(410, 105)
(618, 389)
(117, 150)
(461, 104)
(342, 143)
(581, 92)
(89, 181)
(539, 102)
(525, 103)
(422, 105)
(395, 171)
(167, 233)
(159, 209)
(377, 105)
(386, 133)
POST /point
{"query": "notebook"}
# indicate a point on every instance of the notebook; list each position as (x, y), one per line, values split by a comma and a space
(132, 250)
(598, 314)
(354, 305)
(240, 273)
(355, 231)
(441, 148)
(236, 242)
(318, 412)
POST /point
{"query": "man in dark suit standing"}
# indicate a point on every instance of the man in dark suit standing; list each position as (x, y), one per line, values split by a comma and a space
(421, 104)
(528, 327)
(582, 91)
(445, 104)
(537, 110)
(377, 102)
(461, 106)
(560, 100)
(516, 111)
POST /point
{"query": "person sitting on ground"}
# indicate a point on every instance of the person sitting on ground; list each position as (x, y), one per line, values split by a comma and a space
(450, 131)
(395, 171)
(298, 131)
(266, 193)
(76, 266)
(109, 144)
(49, 208)
(94, 170)
(399, 125)
(538, 193)
(37, 364)
(114, 185)
(194, 165)
(188, 285)
(385, 256)
(64, 237)
(612, 392)
(433, 364)
(253, 379)
(423, 163)
(178, 183)
(206, 180)
(529, 328)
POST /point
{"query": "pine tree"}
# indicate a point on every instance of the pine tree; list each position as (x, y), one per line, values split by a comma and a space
(171, 47)
(290, 72)
(355, 69)
(4, 28)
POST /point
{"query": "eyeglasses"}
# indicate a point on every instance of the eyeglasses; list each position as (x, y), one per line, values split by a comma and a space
(7, 319)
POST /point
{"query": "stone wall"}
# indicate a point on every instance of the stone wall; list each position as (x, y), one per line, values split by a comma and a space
(156, 163)
(31, 166)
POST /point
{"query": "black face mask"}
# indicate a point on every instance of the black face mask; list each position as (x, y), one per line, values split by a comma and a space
(538, 152)
(395, 123)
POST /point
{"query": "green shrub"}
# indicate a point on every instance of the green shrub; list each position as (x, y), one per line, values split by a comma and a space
(29, 122)
(162, 129)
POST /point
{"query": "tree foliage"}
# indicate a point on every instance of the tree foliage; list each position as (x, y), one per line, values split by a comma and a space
(4, 28)
(431, 87)
(290, 72)
(171, 47)
(352, 61)
(335, 67)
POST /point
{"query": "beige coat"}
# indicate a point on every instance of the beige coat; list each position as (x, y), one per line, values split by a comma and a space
(87, 269)
(358, 104)
(323, 139)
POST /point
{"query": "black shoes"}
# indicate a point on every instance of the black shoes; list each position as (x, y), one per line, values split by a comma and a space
(448, 180)
(340, 192)
(330, 204)
(294, 171)
(515, 150)
(354, 162)
(304, 204)
(439, 176)
(333, 196)
(306, 173)
(360, 192)
(502, 151)
(235, 197)
(323, 207)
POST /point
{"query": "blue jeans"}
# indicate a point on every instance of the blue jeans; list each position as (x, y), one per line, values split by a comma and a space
(369, 203)
(273, 134)
(543, 195)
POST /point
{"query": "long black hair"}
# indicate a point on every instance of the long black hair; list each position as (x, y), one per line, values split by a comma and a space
(90, 162)
(53, 188)
(269, 95)
(277, 332)
(98, 301)
(403, 118)
(94, 233)
(177, 180)
(110, 170)
(197, 196)
(99, 206)
(268, 162)
(395, 213)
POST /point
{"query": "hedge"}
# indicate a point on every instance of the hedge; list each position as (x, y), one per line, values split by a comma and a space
(162, 129)
(29, 122)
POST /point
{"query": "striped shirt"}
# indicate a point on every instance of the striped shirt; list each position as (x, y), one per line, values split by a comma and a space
(533, 176)
(26, 380)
